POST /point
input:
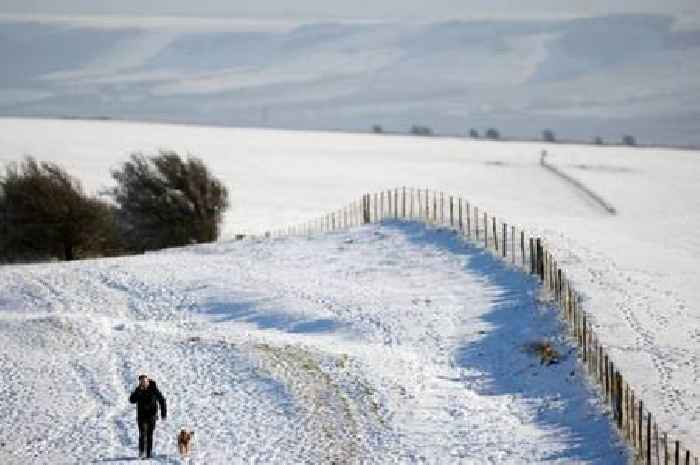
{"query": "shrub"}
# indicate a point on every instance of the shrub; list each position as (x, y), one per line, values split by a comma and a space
(548, 135)
(598, 140)
(473, 133)
(377, 129)
(628, 140)
(165, 201)
(44, 213)
(421, 130)
(493, 133)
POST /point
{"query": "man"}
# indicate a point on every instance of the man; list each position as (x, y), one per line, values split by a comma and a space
(147, 398)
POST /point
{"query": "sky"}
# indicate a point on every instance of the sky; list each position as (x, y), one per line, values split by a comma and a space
(370, 9)
(582, 69)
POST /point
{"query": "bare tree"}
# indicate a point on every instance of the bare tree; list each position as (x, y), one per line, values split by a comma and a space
(166, 201)
(45, 213)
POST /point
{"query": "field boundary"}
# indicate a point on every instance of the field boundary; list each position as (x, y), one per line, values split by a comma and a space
(634, 422)
(608, 207)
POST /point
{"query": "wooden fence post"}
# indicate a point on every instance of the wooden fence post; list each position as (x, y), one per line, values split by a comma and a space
(476, 222)
(585, 345)
(452, 212)
(532, 256)
(420, 206)
(656, 444)
(505, 238)
(403, 202)
(678, 452)
(435, 206)
(495, 236)
(628, 435)
(540, 259)
(396, 203)
(633, 420)
(606, 379)
(388, 196)
(442, 208)
(620, 411)
(376, 216)
(427, 206)
(649, 438)
(413, 191)
(469, 222)
(486, 231)
(641, 427)
(461, 223)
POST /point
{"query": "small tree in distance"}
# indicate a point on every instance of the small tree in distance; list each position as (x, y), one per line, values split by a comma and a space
(548, 135)
(377, 129)
(165, 201)
(421, 130)
(629, 140)
(598, 140)
(473, 133)
(492, 133)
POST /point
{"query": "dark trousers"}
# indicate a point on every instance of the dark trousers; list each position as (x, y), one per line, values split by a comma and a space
(146, 427)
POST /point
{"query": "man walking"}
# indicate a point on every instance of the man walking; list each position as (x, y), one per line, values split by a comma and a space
(147, 398)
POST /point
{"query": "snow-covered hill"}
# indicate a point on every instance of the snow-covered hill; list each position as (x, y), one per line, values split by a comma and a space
(637, 269)
(599, 76)
(397, 344)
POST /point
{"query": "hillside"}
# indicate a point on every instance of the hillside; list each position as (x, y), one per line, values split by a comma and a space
(520, 76)
(637, 269)
(397, 344)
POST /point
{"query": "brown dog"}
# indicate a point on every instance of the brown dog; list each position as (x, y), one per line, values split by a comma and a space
(184, 442)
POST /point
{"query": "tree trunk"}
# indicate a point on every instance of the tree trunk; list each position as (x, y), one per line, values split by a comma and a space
(68, 253)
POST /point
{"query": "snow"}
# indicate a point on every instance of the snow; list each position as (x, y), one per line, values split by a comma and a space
(404, 304)
(520, 76)
(399, 344)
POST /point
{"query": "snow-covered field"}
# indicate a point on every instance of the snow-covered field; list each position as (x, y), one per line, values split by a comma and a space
(637, 271)
(398, 344)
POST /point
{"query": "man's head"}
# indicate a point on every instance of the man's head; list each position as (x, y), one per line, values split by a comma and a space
(143, 381)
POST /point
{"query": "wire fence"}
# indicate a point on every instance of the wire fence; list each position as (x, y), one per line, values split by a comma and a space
(635, 423)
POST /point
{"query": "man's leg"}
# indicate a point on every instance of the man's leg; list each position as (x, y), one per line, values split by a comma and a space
(149, 436)
(142, 436)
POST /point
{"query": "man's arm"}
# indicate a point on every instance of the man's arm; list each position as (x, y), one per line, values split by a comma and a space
(134, 397)
(163, 406)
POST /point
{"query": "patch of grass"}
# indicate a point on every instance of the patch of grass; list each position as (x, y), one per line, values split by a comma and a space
(544, 350)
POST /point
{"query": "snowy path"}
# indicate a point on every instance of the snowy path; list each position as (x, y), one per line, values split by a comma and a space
(387, 344)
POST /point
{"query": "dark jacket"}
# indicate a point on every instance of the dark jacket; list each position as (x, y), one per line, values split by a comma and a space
(147, 401)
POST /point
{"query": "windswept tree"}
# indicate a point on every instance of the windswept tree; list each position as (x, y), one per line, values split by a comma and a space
(45, 213)
(165, 201)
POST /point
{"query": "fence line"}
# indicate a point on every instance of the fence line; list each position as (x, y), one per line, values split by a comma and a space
(634, 422)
